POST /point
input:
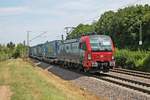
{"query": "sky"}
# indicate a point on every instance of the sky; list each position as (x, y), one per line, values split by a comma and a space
(50, 16)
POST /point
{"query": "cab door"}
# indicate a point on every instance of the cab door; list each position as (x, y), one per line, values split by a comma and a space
(83, 49)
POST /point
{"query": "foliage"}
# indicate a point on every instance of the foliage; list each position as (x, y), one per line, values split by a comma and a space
(10, 50)
(20, 51)
(5, 52)
(146, 63)
(139, 60)
(79, 30)
(11, 45)
(123, 26)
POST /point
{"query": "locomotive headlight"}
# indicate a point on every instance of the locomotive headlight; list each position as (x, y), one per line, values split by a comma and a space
(89, 56)
(113, 57)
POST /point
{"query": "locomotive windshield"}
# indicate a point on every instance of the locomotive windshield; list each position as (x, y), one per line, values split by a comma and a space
(100, 43)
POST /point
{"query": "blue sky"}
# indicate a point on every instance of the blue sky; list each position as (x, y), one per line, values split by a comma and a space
(19, 16)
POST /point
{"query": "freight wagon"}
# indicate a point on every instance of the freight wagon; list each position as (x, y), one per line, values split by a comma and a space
(69, 53)
(33, 52)
(39, 53)
(50, 50)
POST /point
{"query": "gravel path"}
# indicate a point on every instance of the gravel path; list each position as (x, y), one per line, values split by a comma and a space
(101, 88)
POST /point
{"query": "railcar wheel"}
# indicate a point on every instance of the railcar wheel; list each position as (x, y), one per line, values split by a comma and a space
(63, 64)
(75, 66)
(81, 68)
(68, 65)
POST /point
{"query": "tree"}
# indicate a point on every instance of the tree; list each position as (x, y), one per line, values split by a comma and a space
(20, 51)
(11, 45)
(79, 30)
(123, 26)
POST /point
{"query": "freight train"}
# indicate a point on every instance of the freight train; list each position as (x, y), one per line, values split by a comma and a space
(87, 53)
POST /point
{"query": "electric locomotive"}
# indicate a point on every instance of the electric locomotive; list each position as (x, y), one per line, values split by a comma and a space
(89, 53)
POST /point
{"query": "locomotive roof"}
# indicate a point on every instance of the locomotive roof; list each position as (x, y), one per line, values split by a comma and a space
(103, 36)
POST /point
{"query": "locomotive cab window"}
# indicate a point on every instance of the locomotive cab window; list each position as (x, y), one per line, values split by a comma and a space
(102, 43)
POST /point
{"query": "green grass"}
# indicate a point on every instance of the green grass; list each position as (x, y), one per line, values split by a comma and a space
(27, 84)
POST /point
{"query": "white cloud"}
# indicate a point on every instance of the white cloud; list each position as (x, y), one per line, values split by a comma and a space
(52, 16)
(13, 10)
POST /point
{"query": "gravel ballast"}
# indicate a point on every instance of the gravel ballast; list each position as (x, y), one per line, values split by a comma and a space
(99, 87)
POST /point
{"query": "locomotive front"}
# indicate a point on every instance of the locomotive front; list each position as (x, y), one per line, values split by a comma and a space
(98, 54)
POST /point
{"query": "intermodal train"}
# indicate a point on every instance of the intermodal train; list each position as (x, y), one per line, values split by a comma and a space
(87, 53)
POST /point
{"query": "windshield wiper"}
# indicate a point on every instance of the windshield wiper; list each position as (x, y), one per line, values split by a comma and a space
(107, 49)
(98, 50)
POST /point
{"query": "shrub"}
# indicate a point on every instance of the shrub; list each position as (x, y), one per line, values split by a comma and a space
(146, 63)
(132, 59)
(10, 51)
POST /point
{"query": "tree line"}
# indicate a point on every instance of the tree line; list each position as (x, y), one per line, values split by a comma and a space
(10, 50)
(122, 25)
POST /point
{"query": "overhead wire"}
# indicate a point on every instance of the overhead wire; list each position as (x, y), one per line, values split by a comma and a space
(38, 36)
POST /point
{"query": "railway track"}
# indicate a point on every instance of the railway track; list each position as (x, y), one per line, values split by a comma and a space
(132, 84)
(125, 82)
(131, 72)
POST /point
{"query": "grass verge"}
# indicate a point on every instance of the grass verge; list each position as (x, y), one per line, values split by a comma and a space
(32, 83)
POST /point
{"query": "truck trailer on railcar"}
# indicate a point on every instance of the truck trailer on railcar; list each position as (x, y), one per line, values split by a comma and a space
(50, 50)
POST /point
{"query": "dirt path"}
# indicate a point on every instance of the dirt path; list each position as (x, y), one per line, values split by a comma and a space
(5, 93)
